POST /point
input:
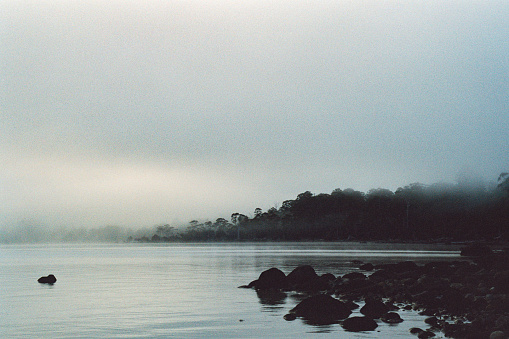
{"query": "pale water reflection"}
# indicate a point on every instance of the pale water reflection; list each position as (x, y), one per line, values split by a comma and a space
(176, 290)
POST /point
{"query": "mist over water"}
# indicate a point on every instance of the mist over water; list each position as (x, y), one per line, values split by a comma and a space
(138, 114)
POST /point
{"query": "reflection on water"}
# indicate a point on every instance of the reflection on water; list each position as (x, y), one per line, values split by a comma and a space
(271, 299)
(321, 328)
(176, 290)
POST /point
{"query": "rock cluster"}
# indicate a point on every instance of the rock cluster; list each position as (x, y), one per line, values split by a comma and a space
(462, 299)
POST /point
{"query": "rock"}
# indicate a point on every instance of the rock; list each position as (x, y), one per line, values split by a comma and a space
(391, 318)
(354, 276)
(351, 305)
(380, 275)
(501, 282)
(391, 306)
(416, 330)
(328, 277)
(425, 334)
(458, 330)
(437, 268)
(270, 279)
(475, 250)
(367, 267)
(406, 266)
(304, 278)
(289, 317)
(301, 275)
(357, 324)
(374, 308)
(321, 309)
(50, 279)
(498, 335)
(432, 321)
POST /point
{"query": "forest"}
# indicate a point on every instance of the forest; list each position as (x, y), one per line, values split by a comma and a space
(416, 212)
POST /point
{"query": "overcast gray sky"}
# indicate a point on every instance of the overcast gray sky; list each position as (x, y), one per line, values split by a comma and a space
(141, 112)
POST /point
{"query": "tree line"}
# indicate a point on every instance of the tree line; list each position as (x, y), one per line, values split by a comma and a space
(416, 212)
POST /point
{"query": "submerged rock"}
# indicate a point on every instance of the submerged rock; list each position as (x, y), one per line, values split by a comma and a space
(322, 309)
(50, 279)
(357, 324)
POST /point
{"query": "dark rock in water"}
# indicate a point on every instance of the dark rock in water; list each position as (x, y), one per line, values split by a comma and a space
(380, 275)
(354, 276)
(357, 324)
(290, 317)
(304, 278)
(328, 277)
(367, 267)
(50, 279)
(432, 321)
(351, 305)
(391, 306)
(391, 318)
(321, 309)
(301, 274)
(416, 330)
(425, 334)
(270, 279)
(475, 250)
(374, 308)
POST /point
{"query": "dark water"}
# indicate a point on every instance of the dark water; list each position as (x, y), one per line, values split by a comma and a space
(177, 290)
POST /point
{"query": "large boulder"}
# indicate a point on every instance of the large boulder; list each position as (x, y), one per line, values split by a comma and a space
(321, 309)
(50, 279)
(272, 278)
(374, 308)
(303, 278)
(357, 324)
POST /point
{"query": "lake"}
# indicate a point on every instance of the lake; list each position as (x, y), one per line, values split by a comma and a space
(178, 290)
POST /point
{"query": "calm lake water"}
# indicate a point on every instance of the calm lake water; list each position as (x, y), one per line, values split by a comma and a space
(177, 290)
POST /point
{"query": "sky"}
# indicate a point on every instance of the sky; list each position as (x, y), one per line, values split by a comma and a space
(137, 113)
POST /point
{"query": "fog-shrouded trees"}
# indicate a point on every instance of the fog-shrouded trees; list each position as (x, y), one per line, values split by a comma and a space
(417, 212)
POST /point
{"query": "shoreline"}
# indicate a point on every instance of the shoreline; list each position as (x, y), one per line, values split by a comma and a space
(464, 298)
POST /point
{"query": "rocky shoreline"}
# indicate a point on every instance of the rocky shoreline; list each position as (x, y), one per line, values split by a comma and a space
(460, 299)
